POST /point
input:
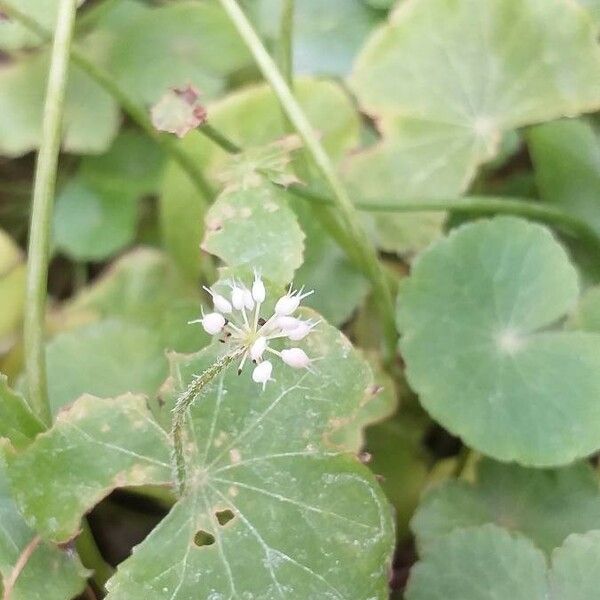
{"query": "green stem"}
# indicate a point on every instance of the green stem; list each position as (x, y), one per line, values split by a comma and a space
(180, 411)
(91, 557)
(220, 139)
(365, 250)
(477, 204)
(285, 49)
(41, 213)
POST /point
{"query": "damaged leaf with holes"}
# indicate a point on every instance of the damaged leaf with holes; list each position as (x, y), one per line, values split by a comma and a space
(273, 507)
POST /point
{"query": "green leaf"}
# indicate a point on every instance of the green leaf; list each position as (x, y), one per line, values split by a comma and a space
(482, 563)
(122, 327)
(91, 223)
(445, 78)
(327, 35)
(12, 285)
(14, 36)
(105, 358)
(144, 288)
(488, 563)
(182, 213)
(255, 228)
(303, 520)
(132, 165)
(544, 505)
(566, 156)
(17, 422)
(593, 7)
(94, 447)
(172, 46)
(475, 315)
(574, 575)
(587, 315)
(91, 117)
(50, 573)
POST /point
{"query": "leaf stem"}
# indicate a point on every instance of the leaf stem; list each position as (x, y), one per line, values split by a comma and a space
(180, 410)
(91, 557)
(479, 204)
(41, 213)
(364, 249)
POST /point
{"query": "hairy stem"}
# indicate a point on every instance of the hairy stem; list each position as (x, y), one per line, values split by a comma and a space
(41, 213)
(524, 207)
(364, 249)
(180, 411)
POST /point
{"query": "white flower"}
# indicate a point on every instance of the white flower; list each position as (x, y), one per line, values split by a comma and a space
(258, 289)
(237, 297)
(213, 323)
(302, 330)
(262, 373)
(220, 302)
(258, 348)
(295, 358)
(289, 303)
(249, 334)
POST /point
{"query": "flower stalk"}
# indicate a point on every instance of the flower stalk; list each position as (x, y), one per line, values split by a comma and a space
(180, 411)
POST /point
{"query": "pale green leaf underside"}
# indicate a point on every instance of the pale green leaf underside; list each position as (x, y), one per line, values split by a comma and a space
(308, 522)
(544, 505)
(488, 563)
(93, 447)
(50, 573)
(474, 315)
(445, 79)
(256, 229)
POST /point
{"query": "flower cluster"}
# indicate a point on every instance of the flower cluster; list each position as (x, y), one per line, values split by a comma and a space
(239, 323)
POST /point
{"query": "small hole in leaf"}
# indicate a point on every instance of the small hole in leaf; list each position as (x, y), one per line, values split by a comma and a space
(203, 538)
(224, 516)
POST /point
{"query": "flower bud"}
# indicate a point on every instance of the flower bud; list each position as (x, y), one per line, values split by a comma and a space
(295, 358)
(237, 298)
(287, 304)
(288, 323)
(248, 299)
(262, 373)
(257, 349)
(258, 289)
(213, 323)
(222, 304)
(300, 332)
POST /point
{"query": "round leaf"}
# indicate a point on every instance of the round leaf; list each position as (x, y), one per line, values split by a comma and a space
(475, 317)
(271, 509)
(487, 563)
(255, 228)
(544, 505)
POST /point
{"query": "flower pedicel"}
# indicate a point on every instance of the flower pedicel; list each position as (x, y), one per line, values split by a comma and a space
(240, 322)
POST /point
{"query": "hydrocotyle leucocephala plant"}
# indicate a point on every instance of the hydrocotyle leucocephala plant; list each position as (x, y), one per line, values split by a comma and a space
(181, 417)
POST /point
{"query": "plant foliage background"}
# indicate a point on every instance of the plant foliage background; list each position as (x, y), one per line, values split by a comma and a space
(443, 155)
